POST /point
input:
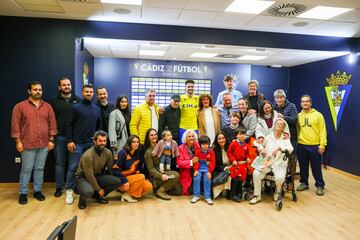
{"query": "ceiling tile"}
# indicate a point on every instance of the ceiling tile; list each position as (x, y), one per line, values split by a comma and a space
(38, 2)
(124, 53)
(41, 8)
(197, 17)
(343, 3)
(208, 5)
(352, 16)
(232, 19)
(267, 21)
(160, 13)
(82, 9)
(178, 4)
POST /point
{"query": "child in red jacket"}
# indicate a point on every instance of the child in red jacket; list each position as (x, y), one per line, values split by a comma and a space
(238, 154)
(203, 169)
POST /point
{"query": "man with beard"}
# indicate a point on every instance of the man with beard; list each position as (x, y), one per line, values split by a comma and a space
(189, 106)
(105, 106)
(33, 126)
(170, 119)
(92, 178)
(61, 105)
(84, 121)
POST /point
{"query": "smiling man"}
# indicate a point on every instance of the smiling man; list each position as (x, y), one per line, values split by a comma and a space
(33, 126)
(84, 121)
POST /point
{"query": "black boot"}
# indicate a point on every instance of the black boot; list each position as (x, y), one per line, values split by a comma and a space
(82, 203)
(99, 198)
(239, 189)
(234, 195)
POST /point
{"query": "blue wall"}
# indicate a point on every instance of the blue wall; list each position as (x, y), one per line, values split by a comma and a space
(115, 74)
(311, 79)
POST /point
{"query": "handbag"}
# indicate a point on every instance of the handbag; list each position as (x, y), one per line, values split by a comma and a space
(220, 178)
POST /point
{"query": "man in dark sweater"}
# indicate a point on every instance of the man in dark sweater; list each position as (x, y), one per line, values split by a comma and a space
(61, 105)
(92, 178)
(84, 121)
(170, 119)
(105, 106)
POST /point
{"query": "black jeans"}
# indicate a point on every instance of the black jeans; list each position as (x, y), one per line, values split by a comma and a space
(107, 182)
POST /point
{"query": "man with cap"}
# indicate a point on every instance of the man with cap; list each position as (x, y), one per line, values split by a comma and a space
(229, 85)
(170, 119)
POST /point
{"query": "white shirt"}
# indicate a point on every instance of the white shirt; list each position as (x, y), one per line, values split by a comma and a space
(154, 119)
(209, 124)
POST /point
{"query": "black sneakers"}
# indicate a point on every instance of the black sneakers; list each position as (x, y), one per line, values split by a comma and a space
(39, 196)
(58, 192)
(82, 203)
(23, 199)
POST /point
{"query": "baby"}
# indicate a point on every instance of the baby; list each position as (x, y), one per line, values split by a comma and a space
(166, 149)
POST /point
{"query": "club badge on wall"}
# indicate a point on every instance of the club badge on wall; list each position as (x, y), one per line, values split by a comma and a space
(85, 74)
(337, 94)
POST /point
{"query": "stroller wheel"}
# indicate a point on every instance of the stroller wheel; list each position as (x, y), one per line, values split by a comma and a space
(294, 197)
(246, 196)
(278, 205)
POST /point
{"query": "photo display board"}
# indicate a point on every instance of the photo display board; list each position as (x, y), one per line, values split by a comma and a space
(165, 87)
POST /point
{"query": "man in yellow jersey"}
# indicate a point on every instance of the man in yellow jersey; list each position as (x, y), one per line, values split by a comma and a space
(311, 144)
(189, 106)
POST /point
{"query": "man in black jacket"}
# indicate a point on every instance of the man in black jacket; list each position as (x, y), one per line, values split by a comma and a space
(105, 106)
(61, 105)
(170, 119)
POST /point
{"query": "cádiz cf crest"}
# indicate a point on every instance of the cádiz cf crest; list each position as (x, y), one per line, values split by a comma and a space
(337, 94)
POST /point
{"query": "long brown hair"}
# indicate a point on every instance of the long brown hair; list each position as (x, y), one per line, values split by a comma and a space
(202, 97)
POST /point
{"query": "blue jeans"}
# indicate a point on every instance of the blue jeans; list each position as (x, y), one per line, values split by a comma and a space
(62, 158)
(309, 154)
(32, 159)
(74, 159)
(165, 159)
(206, 182)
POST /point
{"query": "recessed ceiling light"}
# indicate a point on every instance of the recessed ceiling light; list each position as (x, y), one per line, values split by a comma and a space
(122, 11)
(248, 6)
(324, 13)
(252, 57)
(300, 24)
(127, 2)
(151, 52)
(203, 55)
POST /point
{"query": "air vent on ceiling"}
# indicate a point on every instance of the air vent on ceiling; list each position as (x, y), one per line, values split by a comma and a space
(286, 9)
(227, 55)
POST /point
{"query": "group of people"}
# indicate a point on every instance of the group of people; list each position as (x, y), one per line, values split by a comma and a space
(101, 147)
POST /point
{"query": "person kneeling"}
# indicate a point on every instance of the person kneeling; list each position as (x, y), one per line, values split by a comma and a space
(91, 179)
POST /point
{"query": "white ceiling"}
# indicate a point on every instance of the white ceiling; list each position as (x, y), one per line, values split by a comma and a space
(202, 13)
(181, 52)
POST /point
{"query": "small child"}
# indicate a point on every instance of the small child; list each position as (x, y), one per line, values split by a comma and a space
(166, 149)
(229, 130)
(238, 154)
(203, 169)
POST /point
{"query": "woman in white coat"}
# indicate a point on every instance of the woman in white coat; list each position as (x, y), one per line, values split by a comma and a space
(118, 133)
(275, 144)
(265, 122)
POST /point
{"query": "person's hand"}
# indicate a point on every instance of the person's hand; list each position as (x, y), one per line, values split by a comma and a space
(196, 173)
(280, 115)
(321, 150)
(126, 186)
(286, 136)
(248, 160)
(161, 110)
(251, 111)
(51, 146)
(275, 151)
(208, 175)
(164, 177)
(19, 146)
(101, 192)
(71, 147)
(234, 163)
(195, 160)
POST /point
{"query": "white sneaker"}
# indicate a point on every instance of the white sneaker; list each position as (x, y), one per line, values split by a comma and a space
(255, 200)
(69, 197)
(195, 199)
(209, 201)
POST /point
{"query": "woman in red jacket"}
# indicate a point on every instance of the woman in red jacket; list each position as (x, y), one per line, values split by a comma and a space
(186, 159)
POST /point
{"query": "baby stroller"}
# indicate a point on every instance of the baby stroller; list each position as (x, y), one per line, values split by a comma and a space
(269, 180)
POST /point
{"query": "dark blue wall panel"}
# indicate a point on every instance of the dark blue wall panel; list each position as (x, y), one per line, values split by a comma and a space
(311, 79)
